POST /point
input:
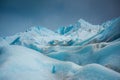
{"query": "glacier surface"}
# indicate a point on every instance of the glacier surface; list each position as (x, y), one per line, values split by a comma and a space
(80, 51)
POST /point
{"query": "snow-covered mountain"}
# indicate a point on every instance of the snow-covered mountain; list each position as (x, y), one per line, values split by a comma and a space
(35, 38)
(82, 30)
(40, 35)
(81, 51)
(110, 33)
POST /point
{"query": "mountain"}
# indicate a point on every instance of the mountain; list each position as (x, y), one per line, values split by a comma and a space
(109, 34)
(34, 38)
(36, 34)
(82, 30)
(81, 51)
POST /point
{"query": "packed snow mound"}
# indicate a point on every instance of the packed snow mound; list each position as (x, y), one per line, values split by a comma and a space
(20, 63)
(96, 72)
(102, 53)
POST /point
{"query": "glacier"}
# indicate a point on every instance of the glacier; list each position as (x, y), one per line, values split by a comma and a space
(79, 51)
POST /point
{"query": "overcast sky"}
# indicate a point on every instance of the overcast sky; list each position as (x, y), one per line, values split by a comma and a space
(19, 15)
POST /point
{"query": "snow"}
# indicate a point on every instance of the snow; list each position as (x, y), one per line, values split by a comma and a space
(34, 38)
(65, 29)
(80, 51)
(96, 72)
(20, 63)
(110, 33)
(104, 54)
(77, 30)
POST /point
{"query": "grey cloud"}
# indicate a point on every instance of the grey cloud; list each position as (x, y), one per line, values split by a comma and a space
(18, 15)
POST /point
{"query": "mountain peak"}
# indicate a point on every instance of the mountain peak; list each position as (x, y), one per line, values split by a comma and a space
(81, 20)
(84, 23)
(36, 28)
